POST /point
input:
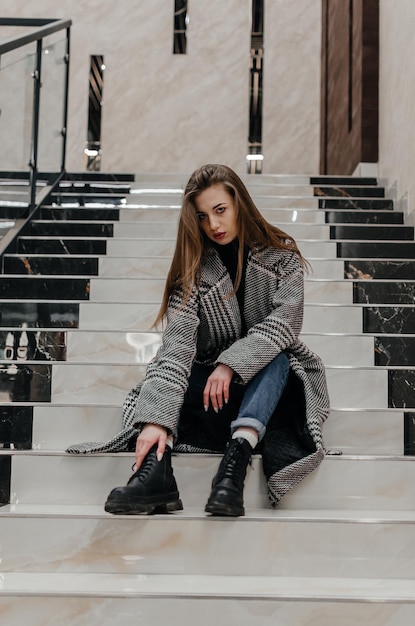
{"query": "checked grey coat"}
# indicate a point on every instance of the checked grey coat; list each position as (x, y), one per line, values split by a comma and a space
(207, 330)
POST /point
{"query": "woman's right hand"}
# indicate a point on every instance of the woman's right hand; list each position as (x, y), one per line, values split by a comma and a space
(150, 435)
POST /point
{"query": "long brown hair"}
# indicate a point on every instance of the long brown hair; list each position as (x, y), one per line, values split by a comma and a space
(253, 231)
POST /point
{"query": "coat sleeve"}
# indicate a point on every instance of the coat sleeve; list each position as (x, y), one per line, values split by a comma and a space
(165, 383)
(280, 327)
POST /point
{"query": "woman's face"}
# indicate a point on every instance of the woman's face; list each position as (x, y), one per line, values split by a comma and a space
(216, 212)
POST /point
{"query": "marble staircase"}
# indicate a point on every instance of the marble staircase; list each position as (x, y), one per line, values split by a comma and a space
(78, 296)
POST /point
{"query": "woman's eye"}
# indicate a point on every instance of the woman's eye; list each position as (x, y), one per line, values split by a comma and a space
(220, 209)
(201, 216)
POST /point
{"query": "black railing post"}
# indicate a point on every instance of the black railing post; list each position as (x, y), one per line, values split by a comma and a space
(35, 126)
(66, 97)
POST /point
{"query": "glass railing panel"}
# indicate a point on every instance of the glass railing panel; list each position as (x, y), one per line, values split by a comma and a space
(16, 121)
(52, 100)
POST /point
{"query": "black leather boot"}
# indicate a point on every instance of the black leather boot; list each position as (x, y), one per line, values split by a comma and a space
(152, 489)
(226, 497)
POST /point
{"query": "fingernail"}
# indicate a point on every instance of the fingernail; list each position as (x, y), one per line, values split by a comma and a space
(221, 407)
(226, 401)
(205, 407)
(159, 456)
(216, 409)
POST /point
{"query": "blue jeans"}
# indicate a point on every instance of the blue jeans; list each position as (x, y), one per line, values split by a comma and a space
(262, 395)
(250, 405)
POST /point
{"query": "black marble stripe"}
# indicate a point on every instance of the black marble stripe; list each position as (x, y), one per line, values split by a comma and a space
(377, 233)
(343, 180)
(80, 199)
(13, 212)
(16, 426)
(389, 320)
(23, 344)
(39, 314)
(72, 266)
(86, 187)
(363, 217)
(32, 287)
(395, 292)
(386, 250)
(81, 213)
(24, 382)
(61, 246)
(350, 192)
(401, 388)
(5, 479)
(409, 433)
(395, 350)
(376, 204)
(379, 269)
(99, 176)
(69, 229)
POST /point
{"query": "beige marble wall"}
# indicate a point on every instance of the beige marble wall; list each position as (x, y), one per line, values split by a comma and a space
(397, 98)
(170, 113)
(291, 128)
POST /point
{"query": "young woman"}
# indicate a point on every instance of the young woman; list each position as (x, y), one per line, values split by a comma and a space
(231, 375)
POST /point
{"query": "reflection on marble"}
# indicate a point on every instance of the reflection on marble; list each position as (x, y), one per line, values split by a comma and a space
(320, 268)
(363, 217)
(379, 269)
(394, 350)
(65, 265)
(117, 316)
(39, 314)
(69, 229)
(350, 192)
(136, 267)
(327, 291)
(357, 388)
(332, 319)
(25, 383)
(377, 233)
(358, 250)
(16, 427)
(27, 345)
(392, 320)
(409, 420)
(32, 287)
(140, 290)
(378, 292)
(343, 350)
(121, 347)
(58, 245)
(78, 199)
(358, 203)
(401, 385)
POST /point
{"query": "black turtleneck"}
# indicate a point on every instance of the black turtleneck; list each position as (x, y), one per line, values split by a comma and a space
(228, 254)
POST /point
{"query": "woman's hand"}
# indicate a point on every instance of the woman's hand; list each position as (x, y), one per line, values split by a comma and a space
(150, 435)
(216, 390)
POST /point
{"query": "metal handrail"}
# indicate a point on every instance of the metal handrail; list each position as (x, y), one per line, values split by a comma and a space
(42, 28)
(45, 28)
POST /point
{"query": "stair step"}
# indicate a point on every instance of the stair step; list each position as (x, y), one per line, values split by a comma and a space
(45, 228)
(339, 482)
(52, 265)
(376, 232)
(81, 213)
(288, 543)
(376, 204)
(28, 287)
(61, 245)
(348, 191)
(364, 217)
(343, 180)
(77, 198)
(52, 427)
(378, 269)
(380, 249)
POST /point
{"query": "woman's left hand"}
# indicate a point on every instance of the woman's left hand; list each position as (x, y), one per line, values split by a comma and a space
(216, 390)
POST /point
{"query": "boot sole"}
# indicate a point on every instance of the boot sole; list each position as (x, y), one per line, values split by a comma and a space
(137, 508)
(223, 509)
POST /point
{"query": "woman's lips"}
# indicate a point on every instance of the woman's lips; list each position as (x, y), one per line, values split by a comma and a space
(219, 235)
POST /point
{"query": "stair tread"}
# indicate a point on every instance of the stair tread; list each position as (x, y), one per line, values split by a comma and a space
(194, 513)
(207, 586)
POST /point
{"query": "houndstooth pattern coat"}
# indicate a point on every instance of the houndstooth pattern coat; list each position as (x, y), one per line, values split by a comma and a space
(207, 329)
